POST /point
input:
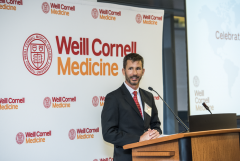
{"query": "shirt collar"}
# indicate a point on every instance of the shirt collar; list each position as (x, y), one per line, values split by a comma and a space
(130, 89)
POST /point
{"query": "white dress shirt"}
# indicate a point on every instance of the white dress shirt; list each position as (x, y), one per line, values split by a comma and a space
(138, 96)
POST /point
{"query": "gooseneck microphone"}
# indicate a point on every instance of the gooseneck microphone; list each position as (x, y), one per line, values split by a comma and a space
(178, 119)
(207, 108)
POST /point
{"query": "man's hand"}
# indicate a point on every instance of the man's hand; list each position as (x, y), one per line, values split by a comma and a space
(154, 134)
(145, 136)
(148, 135)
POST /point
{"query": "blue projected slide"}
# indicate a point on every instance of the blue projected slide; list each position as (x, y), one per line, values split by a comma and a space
(213, 34)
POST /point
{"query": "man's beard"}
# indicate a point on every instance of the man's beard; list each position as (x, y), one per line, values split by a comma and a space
(129, 81)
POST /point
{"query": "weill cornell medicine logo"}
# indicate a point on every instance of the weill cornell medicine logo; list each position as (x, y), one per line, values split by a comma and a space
(94, 13)
(10, 103)
(148, 19)
(95, 100)
(45, 7)
(105, 14)
(57, 8)
(9, 4)
(58, 102)
(84, 133)
(200, 96)
(138, 18)
(32, 137)
(37, 54)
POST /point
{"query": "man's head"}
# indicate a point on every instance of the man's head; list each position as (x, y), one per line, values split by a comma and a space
(133, 69)
(134, 57)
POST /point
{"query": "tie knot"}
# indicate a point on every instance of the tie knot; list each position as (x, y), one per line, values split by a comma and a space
(135, 93)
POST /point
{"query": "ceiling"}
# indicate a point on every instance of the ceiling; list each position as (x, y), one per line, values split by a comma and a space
(175, 7)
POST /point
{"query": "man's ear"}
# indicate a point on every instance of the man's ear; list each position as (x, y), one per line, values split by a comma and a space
(123, 71)
(143, 71)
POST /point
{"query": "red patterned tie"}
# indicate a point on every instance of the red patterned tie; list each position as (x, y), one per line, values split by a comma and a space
(136, 101)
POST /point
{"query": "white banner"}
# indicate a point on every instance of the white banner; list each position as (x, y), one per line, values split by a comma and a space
(58, 60)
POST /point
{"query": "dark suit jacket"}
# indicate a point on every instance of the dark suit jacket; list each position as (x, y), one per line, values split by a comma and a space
(122, 122)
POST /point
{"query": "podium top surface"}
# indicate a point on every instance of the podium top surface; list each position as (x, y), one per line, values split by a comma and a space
(180, 135)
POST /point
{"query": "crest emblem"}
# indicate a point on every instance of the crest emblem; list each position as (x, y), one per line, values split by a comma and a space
(37, 54)
(20, 138)
(95, 101)
(196, 81)
(47, 102)
(45, 7)
(94, 13)
(138, 18)
(72, 134)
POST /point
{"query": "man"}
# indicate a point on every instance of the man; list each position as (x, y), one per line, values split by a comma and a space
(129, 113)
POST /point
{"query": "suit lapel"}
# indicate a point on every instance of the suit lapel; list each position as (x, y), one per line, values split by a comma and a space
(143, 98)
(129, 99)
(146, 116)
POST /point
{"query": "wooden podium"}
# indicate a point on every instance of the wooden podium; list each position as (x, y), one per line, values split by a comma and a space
(214, 145)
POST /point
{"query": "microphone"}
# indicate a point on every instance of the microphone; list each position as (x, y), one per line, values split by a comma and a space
(178, 119)
(207, 108)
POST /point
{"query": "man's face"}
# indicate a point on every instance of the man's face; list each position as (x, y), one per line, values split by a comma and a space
(133, 73)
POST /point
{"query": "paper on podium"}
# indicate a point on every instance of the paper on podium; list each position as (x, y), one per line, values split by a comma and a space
(162, 136)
